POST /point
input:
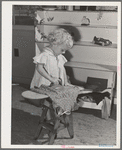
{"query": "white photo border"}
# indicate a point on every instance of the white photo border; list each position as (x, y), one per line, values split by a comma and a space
(6, 75)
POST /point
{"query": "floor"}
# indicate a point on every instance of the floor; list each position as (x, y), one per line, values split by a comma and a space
(89, 128)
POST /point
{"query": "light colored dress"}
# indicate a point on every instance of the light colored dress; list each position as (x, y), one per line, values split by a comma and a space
(52, 64)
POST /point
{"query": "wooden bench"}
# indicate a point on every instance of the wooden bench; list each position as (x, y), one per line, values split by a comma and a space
(54, 124)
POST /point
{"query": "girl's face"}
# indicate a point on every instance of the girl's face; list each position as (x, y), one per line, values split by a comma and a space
(60, 49)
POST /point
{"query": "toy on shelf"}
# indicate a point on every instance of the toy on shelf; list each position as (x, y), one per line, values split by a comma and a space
(39, 35)
(101, 41)
(49, 18)
(85, 21)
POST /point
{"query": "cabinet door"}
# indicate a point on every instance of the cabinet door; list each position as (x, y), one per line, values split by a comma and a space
(22, 54)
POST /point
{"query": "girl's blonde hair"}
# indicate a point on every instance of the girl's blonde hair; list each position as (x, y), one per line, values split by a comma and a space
(60, 36)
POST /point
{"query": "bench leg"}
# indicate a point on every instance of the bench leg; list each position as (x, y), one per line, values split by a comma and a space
(54, 132)
(69, 125)
(39, 129)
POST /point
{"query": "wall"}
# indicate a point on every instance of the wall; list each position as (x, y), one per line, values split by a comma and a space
(83, 50)
(24, 40)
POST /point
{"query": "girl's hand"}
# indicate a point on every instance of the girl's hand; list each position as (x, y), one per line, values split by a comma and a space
(69, 84)
(55, 80)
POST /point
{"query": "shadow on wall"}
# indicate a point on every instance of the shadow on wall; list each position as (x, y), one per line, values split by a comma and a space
(72, 30)
(72, 79)
(74, 33)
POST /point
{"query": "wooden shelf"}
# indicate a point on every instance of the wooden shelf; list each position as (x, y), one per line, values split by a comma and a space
(79, 25)
(79, 11)
(85, 43)
(90, 66)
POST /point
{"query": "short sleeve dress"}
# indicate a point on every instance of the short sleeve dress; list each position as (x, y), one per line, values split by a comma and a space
(52, 64)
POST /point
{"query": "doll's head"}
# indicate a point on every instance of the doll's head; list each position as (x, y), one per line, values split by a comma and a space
(60, 37)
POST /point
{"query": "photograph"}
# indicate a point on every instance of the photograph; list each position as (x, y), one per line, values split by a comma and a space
(61, 74)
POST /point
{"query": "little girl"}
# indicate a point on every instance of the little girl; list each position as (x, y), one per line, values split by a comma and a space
(50, 63)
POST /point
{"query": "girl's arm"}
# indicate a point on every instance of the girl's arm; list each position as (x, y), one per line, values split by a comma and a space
(43, 72)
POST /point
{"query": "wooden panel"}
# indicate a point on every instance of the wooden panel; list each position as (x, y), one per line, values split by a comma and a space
(90, 66)
(39, 48)
(108, 18)
(84, 43)
(79, 76)
(80, 56)
(84, 34)
(103, 56)
(91, 105)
